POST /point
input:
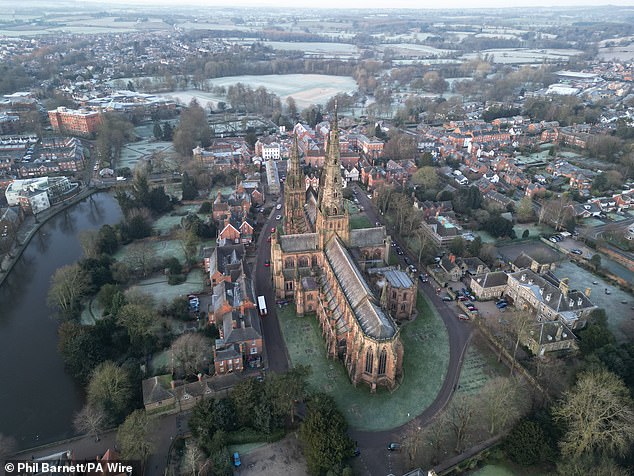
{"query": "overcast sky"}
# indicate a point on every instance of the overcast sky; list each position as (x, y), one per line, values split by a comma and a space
(418, 4)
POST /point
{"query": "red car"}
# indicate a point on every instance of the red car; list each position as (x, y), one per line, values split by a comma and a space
(267, 263)
(273, 230)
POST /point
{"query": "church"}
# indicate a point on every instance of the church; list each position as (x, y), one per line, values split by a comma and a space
(318, 261)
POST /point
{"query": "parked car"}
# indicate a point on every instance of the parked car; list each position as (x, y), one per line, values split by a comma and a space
(393, 447)
(370, 196)
(472, 297)
(447, 298)
(463, 317)
(463, 298)
(267, 263)
(576, 251)
(273, 229)
(412, 269)
(278, 206)
(502, 305)
(278, 217)
(501, 301)
(357, 451)
(423, 278)
(236, 459)
(407, 260)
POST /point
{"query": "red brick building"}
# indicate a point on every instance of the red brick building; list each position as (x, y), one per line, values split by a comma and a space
(74, 121)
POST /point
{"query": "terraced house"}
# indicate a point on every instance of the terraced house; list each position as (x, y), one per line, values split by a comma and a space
(317, 260)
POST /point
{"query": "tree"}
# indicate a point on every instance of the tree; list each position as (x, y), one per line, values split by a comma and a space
(157, 131)
(89, 243)
(598, 413)
(323, 434)
(525, 212)
(460, 414)
(525, 444)
(189, 242)
(80, 349)
(68, 285)
(501, 403)
(140, 322)
(555, 211)
(457, 246)
(90, 420)
(191, 354)
(288, 388)
(134, 436)
(519, 321)
(426, 177)
(110, 390)
(190, 191)
(192, 459)
(596, 261)
(596, 333)
(589, 465)
(292, 107)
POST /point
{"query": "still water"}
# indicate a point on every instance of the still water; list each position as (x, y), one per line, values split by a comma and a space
(37, 397)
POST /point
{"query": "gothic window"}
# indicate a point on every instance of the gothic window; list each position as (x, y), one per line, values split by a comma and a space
(404, 296)
(393, 294)
(334, 210)
(369, 360)
(378, 254)
(289, 285)
(313, 261)
(290, 263)
(382, 362)
(303, 262)
(402, 307)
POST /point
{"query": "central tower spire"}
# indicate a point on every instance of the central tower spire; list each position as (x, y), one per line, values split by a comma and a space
(332, 217)
(294, 194)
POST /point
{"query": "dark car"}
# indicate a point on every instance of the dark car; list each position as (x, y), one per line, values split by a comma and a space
(407, 260)
(267, 263)
(393, 447)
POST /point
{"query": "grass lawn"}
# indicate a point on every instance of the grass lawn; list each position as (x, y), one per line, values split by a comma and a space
(480, 365)
(425, 363)
(359, 221)
(158, 286)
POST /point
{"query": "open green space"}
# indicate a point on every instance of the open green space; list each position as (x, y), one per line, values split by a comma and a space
(426, 357)
(359, 221)
(168, 221)
(158, 286)
(480, 366)
(494, 470)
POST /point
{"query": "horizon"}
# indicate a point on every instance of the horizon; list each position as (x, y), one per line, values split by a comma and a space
(372, 4)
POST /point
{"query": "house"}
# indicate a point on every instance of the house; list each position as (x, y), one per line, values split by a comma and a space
(155, 395)
(472, 266)
(550, 336)
(550, 298)
(451, 269)
(489, 285)
(240, 341)
(441, 229)
(537, 265)
(225, 263)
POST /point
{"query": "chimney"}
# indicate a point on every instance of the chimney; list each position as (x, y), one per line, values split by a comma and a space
(560, 330)
(564, 287)
(172, 383)
(452, 258)
(200, 377)
(587, 292)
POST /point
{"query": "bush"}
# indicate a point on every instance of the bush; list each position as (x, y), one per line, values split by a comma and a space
(174, 279)
(525, 443)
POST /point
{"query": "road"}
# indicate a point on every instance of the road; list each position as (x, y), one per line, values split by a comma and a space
(594, 233)
(277, 358)
(375, 458)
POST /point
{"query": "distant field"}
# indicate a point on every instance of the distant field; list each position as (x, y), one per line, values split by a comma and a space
(409, 49)
(306, 89)
(315, 48)
(524, 55)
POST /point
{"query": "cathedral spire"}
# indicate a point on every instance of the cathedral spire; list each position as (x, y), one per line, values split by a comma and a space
(294, 174)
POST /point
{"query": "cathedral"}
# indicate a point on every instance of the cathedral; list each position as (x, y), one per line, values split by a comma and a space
(318, 260)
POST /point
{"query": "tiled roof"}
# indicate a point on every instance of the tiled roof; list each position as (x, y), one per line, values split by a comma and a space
(154, 392)
(373, 321)
(398, 279)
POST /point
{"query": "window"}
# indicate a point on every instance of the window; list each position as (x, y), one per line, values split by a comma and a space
(393, 294)
(402, 307)
(254, 350)
(382, 362)
(369, 361)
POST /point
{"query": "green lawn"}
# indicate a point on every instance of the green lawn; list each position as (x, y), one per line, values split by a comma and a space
(480, 365)
(359, 221)
(425, 364)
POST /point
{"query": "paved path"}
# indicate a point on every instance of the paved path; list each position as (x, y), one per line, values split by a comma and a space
(374, 454)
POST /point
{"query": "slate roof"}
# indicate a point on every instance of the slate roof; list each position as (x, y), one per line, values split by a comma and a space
(372, 319)
(491, 280)
(154, 392)
(300, 242)
(367, 237)
(227, 260)
(398, 279)
(239, 327)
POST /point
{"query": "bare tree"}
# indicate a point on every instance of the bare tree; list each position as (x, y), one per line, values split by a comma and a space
(90, 419)
(88, 241)
(519, 322)
(192, 459)
(190, 353)
(501, 403)
(460, 414)
(68, 284)
(141, 257)
(556, 211)
(599, 414)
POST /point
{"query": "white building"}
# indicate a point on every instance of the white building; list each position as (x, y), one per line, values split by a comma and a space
(271, 151)
(37, 194)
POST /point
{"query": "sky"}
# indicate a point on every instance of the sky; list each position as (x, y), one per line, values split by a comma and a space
(417, 4)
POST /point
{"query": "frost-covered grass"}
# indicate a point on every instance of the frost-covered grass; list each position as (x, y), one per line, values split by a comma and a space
(426, 358)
